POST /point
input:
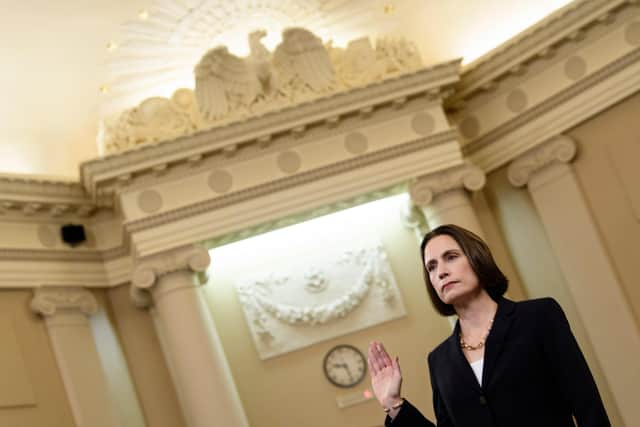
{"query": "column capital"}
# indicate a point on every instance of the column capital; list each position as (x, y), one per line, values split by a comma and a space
(560, 149)
(49, 301)
(148, 269)
(427, 187)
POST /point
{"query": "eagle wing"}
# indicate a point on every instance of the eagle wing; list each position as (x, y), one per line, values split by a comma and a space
(302, 54)
(223, 80)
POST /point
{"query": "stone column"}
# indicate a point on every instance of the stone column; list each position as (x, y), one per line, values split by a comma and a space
(65, 312)
(590, 275)
(168, 284)
(444, 199)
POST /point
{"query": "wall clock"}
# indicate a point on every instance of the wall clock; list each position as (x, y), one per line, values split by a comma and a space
(344, 365)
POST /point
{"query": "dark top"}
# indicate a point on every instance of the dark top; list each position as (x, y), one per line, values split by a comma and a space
(534, 374)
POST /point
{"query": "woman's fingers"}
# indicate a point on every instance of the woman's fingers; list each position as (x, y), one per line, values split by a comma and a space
(374, 358)
(384, 356)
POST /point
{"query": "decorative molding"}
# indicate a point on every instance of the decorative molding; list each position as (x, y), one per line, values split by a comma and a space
(535, 43)
(292, 181)
(229, 88)
(427, 187)
(304, 216)
(562, 97)
(561, 149)
(147, 270)
(100, 175)
(50, 301)
(353, 286)
(42, 197)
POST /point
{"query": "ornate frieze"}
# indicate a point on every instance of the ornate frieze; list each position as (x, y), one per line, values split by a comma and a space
(561, 149)
(426, 188)
(229, 88)
(51, 300)
(555, 75)
(44, 198)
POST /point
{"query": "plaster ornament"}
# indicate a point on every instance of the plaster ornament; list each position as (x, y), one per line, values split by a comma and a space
(229, 88)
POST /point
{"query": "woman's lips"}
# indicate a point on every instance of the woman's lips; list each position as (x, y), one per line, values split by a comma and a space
(447, 285)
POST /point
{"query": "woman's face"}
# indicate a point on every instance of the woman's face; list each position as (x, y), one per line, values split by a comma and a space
(449, 270)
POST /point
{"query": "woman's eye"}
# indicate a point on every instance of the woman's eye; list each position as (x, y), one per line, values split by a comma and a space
(451, 256)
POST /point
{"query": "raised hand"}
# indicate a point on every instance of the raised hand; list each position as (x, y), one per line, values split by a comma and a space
(386, 377)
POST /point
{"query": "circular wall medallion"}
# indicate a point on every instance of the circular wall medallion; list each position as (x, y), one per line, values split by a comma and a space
(149, 201)
(220, 181)
(47, 237)
(470, 127)
(632, 34)
(289, 162)
(356, 143)
(517, 101)
(575, 68)
(423, 123)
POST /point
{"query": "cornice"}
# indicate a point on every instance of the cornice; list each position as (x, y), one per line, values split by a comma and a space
(38, 197)
(538, 42)
(97, 175)
(50, 301)
(557, 113)
(293, 181)
(427, 187)
(561, 149)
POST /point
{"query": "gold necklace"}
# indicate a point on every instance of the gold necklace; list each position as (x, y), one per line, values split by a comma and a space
(478, 346)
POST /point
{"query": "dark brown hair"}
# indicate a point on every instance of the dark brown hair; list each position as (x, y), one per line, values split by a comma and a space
(477, 252)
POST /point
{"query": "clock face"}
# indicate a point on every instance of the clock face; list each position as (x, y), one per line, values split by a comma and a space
(345, 366)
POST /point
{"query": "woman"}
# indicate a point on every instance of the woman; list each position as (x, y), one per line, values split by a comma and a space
(506, 364)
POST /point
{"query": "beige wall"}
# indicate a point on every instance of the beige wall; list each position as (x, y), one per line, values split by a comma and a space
(31, 389)
(607, 168)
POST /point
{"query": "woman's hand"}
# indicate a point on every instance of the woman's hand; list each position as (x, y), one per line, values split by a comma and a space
(386, 378)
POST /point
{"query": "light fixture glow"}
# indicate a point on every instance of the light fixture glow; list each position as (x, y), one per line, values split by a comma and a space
(111, 46)
(143, 14)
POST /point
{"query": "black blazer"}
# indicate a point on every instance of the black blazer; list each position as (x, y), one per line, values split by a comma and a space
(534, 375)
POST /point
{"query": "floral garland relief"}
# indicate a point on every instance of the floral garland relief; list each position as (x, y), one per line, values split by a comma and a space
(328, 295)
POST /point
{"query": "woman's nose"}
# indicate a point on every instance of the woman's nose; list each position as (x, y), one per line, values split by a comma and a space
(442, 273)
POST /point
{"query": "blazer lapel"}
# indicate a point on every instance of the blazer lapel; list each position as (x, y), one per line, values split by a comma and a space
(496, 339)
(458, 361)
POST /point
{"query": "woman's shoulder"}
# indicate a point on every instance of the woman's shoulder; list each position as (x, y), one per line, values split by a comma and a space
(537, 305)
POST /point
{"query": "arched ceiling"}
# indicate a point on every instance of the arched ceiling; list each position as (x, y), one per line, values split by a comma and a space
(68, 63)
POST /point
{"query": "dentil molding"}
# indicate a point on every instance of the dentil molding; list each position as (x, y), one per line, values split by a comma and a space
(50, 301)
(426, 188)
(561, 149)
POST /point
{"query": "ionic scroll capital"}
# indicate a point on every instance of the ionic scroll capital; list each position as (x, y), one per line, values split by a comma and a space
(148, 269)
(49, 301)
(427, 187)
(560, 149)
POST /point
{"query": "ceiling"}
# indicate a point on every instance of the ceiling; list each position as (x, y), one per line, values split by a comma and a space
(61, 71)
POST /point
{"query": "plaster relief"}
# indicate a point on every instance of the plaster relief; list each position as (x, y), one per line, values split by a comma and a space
(229, 88)
(319, 297)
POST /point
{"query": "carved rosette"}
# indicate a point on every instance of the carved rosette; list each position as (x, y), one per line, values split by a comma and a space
(49, 301)
(149, 269)
(560, 149)
(426, 188)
